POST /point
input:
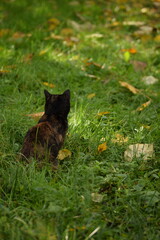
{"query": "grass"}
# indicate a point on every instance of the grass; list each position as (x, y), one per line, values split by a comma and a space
(42, 205)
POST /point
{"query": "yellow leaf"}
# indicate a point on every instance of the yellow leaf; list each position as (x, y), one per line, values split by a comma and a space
(4, 71)
(143, 106)
(42, 52)
(51, 85)
(64, 153)
(102, 147)
(35, 115)
(53, 23)
(102, 113)
(157, 38)
(119, 139)
(67, 31)
(129, 87)
(92, 95)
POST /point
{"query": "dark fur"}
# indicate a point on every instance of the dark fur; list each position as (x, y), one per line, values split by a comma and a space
(44, 140)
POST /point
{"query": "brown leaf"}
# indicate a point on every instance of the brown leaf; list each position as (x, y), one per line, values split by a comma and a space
(4, 32)
(35, 115)
(138, 65)
(143, 106)
(129, 87)
(19, 35)
(28, 57)
(102, 147)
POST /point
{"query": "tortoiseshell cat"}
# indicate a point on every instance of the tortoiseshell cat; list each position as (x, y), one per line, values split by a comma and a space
(44, 140)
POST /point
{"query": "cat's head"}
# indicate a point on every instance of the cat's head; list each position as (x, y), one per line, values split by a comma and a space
(57, 104)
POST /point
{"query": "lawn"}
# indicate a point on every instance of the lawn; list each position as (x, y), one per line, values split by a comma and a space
(104, 52)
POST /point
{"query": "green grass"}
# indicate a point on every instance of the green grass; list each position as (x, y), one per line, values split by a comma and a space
(38, 204)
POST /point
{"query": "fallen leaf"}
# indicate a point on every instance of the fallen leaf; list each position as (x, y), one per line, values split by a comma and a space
(138, 65)
(95, 35)
(64, 153)
(35, 115)
(19, 35)
(127, 56)
(143, 106)
(133, 23)
(28, 58)
(92, 76)
(51, 85)
(67, 32)
(53, 23)
(129, 87)
(42, 52)
(96, 197)
(149, 80)
(143, 151)
(143, 30)
(90, 96)
(2, 71)
(102, 147)
(102, 113)
(130, 50)
(119, 139)
(4, 32)
(157, 38)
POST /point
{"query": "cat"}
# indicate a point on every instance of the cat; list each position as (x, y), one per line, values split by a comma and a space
(44, 140)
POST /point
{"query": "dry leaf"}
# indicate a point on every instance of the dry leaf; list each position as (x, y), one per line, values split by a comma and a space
(28, 58)
(130, 50)
(53, 23)
(19, 35)
(144, 151)
(4, 32)
(91, 76)
(90, 96)
(64, 153)
(129, 87)
(51, 85)
(102, 113)
(119, 139)
(67, 32)
(149, 80)
(2, 71)
(42, 52)
(35, 115)
(133, 23)
(95, 35)
(96, 197)
(143, 106)
(138, 65)
(157, 38)
(102, 147)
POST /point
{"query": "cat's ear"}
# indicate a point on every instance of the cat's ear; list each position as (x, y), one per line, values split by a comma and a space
(47, 94)
(67, 93)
